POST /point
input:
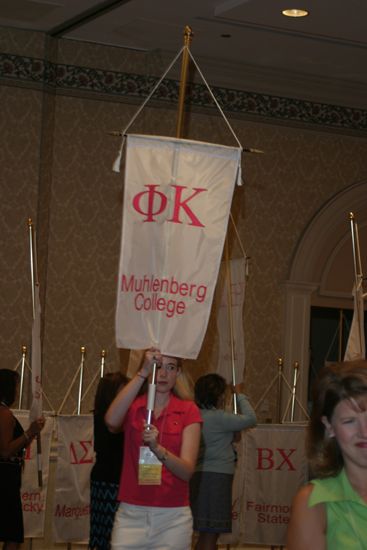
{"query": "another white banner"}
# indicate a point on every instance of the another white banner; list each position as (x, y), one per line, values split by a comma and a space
(71, 508)
(177, 200)
(33, 496)
(356, 345)
(275, 467)
(237, 271)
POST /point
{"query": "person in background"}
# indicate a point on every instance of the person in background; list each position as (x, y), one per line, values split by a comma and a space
(105, 474)
(159, 459)
(13, 442)
(330, 512)
(211, 485)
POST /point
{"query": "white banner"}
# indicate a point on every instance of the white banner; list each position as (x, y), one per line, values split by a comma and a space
(356, 345)
(237, 269)
(275, 467)
(177, 200)
(33, 496)
(71, 508)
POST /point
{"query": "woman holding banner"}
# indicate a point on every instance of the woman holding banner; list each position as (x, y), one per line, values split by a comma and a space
(13, 441)
(211, 485)
(331, 511)
(159, 460)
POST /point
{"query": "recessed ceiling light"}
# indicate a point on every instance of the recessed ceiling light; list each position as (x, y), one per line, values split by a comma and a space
(295, 13)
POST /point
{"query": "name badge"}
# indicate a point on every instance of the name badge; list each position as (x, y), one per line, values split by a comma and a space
(150, 468)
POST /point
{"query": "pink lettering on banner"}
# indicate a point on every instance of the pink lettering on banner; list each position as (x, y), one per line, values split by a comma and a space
(72, 512)
(155, 203)
(179, 203)
(278, 459)
(269, 513)
(33, 502)
(81, 452)
(154, 303)
(235, 513)
(147, 292)
(151, 194)
(28, 452)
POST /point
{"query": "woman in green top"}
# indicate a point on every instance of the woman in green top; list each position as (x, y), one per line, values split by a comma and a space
(331, 511)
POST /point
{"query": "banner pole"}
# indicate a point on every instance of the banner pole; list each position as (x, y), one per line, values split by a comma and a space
(340, 342)
(24, 353)
(151, 394)
(279, 390)
(30, 232)
(358, 275)
(181, 101)
(35, 282)
(103, 357)
(295, 376)
(81, 374)
(230, 321)
(354, 245)
(188, 34)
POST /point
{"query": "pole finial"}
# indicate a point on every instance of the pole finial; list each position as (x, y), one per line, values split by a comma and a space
(188, 35)
(103, 353)
(351, 215)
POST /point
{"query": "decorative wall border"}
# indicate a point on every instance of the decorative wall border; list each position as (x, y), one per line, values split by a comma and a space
(33, 71)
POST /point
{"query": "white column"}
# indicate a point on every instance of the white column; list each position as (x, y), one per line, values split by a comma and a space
(297, 341)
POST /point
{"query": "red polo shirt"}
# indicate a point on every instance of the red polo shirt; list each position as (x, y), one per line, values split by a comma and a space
(173, 491)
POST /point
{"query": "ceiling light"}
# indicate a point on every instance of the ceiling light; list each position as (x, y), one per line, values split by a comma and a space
(295, 13)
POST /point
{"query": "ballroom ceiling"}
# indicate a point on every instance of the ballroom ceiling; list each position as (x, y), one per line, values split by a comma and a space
(243, 44)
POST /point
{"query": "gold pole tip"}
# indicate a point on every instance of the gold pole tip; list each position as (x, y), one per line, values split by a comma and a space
(103, 353)
(280, 361)
(24, 349)
(188, 31)
(351, 216)
(296, 364)
(82, 349)
(30, 223)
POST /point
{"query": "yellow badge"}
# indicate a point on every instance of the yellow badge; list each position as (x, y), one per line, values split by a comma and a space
(150, 468)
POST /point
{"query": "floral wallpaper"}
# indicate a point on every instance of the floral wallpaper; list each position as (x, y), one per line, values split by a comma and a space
(55, 167)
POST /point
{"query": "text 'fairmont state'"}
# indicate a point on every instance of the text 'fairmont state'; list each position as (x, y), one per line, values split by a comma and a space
(269, 513)
(147, 293)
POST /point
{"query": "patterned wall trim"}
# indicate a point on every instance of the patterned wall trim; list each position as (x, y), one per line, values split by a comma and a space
(31, 71)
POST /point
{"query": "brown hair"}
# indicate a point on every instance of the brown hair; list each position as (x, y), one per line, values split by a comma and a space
(107, 389)
(8, 386)
(335, 383)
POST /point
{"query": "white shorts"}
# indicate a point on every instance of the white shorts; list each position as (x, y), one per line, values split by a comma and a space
(151, 528)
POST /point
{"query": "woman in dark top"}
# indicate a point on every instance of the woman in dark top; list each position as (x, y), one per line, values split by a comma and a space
(13, 441)
(105, 473)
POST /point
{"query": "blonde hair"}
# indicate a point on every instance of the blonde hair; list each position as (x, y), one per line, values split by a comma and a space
(184, 385)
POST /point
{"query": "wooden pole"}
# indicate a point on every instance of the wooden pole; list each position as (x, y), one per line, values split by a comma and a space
(188, 34)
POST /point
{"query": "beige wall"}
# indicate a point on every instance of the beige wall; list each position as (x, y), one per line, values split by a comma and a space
(56, 159)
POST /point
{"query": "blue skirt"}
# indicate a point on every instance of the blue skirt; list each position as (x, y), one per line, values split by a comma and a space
(211, 502)
(103, 506)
